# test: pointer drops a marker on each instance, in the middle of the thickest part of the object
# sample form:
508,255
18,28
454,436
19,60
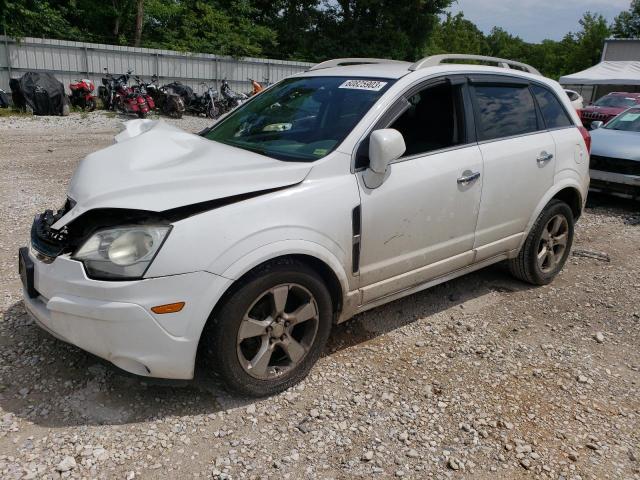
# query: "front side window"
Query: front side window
504,111
300,119
628,121
553,112
616,101
433,120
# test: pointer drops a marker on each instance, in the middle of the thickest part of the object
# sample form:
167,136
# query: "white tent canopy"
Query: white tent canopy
606,73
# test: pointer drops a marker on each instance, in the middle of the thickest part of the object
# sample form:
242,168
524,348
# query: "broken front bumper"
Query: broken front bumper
113,320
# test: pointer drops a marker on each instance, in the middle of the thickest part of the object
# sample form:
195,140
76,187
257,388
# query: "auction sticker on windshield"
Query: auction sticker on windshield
371,85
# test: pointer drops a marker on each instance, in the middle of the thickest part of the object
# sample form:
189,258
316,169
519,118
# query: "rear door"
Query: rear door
570,151
519,157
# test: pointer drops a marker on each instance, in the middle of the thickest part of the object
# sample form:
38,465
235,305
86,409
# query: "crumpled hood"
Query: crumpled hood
607,142
156,167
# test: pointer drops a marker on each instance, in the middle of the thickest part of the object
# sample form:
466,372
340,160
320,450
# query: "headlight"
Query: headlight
121,253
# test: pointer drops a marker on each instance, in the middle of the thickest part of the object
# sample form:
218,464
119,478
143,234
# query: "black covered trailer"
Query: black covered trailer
41,93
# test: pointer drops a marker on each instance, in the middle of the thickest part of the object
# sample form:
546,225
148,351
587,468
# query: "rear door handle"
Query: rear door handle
545,157
468,177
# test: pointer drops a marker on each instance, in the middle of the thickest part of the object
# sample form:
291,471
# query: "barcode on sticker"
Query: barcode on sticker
372,85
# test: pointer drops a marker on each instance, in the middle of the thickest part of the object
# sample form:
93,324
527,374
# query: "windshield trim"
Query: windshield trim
296,157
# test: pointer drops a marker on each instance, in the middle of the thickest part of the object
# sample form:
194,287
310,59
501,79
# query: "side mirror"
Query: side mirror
385,146
596,124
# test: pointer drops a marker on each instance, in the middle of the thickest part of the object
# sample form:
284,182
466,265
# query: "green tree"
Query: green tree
589,42
396,29
225,28
456,34
37,18
627,24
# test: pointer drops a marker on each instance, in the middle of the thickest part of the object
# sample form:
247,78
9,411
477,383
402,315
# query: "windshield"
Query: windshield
300,119
615,101
628,121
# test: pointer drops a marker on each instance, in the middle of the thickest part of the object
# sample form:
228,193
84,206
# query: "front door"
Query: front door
420,223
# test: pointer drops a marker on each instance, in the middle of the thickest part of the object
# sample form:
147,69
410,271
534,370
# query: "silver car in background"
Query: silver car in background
615,155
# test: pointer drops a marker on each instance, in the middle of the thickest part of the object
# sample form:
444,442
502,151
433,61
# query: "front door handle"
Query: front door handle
468,177
545,157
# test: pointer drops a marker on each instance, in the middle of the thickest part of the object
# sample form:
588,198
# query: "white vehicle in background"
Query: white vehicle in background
576,99
335,191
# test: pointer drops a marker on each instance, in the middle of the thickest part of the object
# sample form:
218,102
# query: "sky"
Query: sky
535,20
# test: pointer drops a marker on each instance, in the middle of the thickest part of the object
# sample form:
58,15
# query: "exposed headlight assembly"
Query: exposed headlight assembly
122,253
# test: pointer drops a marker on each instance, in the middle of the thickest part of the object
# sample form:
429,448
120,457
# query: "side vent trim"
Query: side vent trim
356,227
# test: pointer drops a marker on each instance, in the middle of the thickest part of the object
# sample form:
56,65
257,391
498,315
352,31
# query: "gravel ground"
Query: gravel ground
482,377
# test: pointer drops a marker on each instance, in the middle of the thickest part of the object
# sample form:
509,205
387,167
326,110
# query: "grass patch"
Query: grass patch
10,112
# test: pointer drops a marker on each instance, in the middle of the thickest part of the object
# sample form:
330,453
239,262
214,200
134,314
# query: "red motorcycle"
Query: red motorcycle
82,95
130,100
142,89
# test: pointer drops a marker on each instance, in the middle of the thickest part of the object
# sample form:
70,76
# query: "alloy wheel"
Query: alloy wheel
553,243
277,331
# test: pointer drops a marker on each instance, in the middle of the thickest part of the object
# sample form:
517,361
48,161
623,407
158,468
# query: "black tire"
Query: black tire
526,266
142,114
213,111
221,347
91,105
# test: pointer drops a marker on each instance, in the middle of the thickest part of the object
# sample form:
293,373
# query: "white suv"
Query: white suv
334,191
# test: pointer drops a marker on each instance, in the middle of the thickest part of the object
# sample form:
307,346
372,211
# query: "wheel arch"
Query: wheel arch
569,191
334,281
572,197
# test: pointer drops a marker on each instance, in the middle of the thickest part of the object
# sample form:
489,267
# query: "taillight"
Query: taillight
587,138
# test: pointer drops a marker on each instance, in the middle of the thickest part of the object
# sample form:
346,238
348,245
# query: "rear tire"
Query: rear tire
270,330
547,246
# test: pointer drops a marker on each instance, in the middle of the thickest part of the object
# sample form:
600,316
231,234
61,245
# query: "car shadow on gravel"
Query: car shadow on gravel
51,383
465,294
604,205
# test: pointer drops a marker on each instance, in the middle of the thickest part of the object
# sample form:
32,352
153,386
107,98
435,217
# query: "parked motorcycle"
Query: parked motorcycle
82,94
230,99
141,89
169,102
4,99
118,95
107,91
206,103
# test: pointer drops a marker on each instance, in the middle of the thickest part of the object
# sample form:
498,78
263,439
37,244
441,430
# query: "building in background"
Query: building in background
618,71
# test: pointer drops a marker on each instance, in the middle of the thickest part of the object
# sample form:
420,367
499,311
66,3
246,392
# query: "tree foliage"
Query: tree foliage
575,52
310,30
627,24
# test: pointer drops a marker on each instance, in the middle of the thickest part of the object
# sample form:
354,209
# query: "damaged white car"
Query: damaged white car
332,192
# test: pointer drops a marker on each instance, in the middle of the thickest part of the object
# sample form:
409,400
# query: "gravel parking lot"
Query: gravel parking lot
482,377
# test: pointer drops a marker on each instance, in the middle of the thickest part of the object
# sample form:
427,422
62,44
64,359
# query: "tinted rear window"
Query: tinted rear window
553,112
505,111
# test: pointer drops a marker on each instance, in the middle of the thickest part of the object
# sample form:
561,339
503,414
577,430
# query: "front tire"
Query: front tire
271,330
547,247
91,105
213,111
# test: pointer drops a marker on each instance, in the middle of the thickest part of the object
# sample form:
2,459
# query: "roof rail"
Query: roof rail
436,60
341,62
